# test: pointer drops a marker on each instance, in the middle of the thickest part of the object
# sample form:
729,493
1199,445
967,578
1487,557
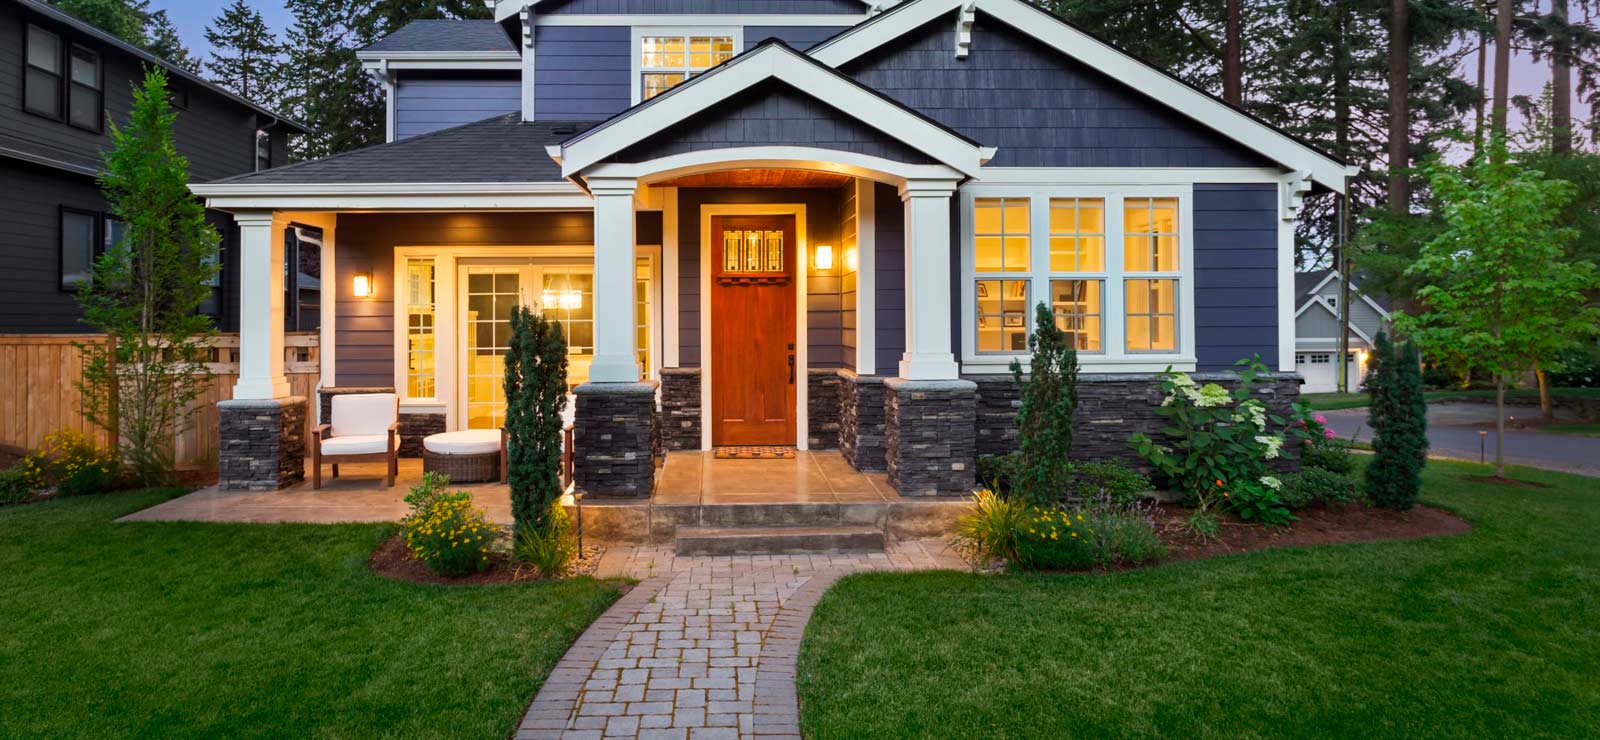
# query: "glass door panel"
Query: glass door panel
489,295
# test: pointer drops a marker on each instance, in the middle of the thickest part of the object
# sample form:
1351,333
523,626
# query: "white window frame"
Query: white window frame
1102,275
1114,356
636,80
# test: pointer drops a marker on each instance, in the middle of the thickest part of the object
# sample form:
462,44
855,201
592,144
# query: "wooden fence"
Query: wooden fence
39,389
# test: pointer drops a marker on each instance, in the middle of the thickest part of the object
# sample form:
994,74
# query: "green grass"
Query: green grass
1582,430
178,630
1495,633
1334,401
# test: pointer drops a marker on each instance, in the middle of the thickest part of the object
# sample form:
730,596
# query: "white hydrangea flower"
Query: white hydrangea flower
1258,414
1210,396
1271,482
1274,445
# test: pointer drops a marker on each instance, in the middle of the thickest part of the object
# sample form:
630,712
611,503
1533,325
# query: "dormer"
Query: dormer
441,73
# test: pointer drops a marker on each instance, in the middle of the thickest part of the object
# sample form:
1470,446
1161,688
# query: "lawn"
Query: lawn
1581,430
1334,401
1495,633
178,630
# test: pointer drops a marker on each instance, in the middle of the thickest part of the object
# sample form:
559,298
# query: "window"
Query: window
43,79
1150,245
1077,269
80,244
177,94
1002,316
86,101
1150,235
263,150
421,364
1322,358
667,60
1077,306
641,316
1002,243
1152,315
1001,234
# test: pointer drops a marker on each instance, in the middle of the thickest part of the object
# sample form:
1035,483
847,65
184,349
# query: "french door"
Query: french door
487,294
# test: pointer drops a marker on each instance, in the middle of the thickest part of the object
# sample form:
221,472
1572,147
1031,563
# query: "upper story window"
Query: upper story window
263,150
86,103
63,81
43,78
665,59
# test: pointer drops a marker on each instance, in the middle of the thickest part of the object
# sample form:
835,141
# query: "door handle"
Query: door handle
791,369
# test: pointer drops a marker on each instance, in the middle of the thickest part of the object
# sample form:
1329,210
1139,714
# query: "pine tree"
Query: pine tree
163,41
245,55
1398,415
536,395
119,18
1043,472
323,82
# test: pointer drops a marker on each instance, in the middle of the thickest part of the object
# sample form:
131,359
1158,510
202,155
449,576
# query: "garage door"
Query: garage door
1318,370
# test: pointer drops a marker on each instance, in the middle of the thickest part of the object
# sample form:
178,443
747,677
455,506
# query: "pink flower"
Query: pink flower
1320,419
1327,433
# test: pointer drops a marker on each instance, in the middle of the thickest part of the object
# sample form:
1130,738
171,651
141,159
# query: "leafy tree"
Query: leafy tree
1499,286
1398,415
323,82
245,55
147,289
163,41
536,394
1044,423
120,18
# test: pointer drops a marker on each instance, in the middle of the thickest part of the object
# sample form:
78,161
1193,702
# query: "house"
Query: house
56,94
818,224
1316,330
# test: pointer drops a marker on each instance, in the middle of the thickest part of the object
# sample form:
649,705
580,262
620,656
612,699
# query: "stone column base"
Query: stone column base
931,436
822,409
615,439
680,408
262,445
861,425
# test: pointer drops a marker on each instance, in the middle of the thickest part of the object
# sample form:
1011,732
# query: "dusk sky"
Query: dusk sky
191,17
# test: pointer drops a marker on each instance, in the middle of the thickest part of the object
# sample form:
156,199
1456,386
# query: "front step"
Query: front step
778,540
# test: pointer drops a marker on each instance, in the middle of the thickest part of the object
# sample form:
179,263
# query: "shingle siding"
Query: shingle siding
581,73
1235,273
1038,106
799,37
426,104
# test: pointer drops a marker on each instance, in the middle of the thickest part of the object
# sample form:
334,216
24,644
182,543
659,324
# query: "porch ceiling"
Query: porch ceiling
759,178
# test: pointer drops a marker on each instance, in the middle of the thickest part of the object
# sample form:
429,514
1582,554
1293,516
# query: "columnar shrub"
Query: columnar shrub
1043,472
1398,415
536,394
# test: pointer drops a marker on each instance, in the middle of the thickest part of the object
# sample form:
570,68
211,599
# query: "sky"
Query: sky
191,16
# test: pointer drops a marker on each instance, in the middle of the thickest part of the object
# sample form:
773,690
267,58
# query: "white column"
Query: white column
866,276
928,295
260,308
615,357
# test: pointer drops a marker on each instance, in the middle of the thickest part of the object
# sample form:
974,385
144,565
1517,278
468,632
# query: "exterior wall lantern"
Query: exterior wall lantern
824,257
361,286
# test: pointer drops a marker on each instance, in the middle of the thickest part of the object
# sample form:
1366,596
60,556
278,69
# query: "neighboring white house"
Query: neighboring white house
1316,329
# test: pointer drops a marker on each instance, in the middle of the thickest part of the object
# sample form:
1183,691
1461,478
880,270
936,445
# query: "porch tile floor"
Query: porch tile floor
809,477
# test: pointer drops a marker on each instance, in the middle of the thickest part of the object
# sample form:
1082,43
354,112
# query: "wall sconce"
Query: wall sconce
361,286
852,261
824,257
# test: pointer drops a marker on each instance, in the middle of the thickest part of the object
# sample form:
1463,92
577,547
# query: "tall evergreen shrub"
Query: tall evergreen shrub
1044,423
1398,415
536,394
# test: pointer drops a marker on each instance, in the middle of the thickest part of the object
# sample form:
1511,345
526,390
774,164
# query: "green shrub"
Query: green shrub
447,533
1125,536
16,486
1318,485
995,472
1332,455
1110,480
1054,539
551,551
1398,415
989,526
1580,368
1043,471
1258,501
72,463
536,393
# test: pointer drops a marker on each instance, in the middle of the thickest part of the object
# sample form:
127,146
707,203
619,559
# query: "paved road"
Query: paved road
1453,432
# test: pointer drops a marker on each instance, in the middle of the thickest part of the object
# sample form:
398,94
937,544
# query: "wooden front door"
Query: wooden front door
753,371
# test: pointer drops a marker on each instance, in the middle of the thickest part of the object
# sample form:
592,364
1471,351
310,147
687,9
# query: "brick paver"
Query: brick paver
703,647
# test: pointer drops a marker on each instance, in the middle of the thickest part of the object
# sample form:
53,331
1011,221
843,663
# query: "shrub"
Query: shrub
1258,501
1332,455
536,394
1110,480
995,472
1398,415
1054,539
1313,485
16,486
1580,368
446,532
551,551
1125,536
72,463
1043,471
990,525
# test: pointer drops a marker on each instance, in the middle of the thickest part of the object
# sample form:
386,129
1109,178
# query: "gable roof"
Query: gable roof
1160,85
504,9
772,59
172,70
1308,284
444,36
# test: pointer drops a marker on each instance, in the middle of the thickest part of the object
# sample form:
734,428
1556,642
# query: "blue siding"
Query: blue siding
772,113
800,37
1039,106
428,105
889,272
668,7
581,73
1235,273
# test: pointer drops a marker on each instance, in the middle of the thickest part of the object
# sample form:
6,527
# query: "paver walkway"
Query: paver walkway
703,647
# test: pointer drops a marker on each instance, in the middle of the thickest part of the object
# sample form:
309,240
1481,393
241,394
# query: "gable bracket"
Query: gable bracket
1294,188
526,17
964,20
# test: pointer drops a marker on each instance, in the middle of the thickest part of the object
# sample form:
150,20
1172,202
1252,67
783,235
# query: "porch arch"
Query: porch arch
835,161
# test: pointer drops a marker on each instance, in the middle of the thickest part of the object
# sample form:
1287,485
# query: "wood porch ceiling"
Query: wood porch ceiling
759,178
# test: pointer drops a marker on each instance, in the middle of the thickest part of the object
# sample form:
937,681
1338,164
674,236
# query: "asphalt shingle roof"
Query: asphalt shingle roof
499,149
446,35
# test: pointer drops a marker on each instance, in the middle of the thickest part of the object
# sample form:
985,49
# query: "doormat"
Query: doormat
754,453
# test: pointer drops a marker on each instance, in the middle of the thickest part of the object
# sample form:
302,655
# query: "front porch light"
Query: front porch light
824,257
361,286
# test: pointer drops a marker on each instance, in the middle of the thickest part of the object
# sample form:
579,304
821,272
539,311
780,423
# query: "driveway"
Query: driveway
1453,433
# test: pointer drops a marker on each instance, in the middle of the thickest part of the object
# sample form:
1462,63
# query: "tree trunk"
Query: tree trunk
1547,412
1502,68
1499,426
1560,82
1483,81
1341,137
1232,55
1399,107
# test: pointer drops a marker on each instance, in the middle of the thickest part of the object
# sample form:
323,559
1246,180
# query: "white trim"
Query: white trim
394,196
743,72
1114,356
616,247
928,354
1045,27
703,19
1126,175
1318,301
777,157
866,276
1354,290
511,63
261,300
1289,195
444,57
328,335
528,64
802,420
654,28
669,277
504,9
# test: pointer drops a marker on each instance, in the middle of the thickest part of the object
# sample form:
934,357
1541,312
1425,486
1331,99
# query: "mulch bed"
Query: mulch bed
1316,525
391,560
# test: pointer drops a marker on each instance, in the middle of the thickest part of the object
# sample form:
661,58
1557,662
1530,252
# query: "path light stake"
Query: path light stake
1482,435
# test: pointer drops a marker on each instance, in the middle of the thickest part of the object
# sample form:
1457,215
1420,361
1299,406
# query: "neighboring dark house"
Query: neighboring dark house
57,90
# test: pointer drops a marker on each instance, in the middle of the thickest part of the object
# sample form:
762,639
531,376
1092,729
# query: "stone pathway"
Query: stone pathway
703,647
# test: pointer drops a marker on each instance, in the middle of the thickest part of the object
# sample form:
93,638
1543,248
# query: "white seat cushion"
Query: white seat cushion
357,444
468,442
360,414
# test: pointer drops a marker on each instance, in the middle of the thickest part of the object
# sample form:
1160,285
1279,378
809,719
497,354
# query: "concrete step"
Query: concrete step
778,540
865,514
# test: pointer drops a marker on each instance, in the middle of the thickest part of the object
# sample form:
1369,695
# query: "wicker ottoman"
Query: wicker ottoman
471,456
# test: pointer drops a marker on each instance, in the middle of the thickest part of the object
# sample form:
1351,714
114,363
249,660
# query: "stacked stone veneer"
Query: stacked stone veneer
414,426
262,445
931,448
616,439
861,421
1111,407
680,408
822,409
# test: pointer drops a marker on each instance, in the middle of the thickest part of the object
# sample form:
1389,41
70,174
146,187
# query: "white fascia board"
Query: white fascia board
440,56
395,196
1318,301
774,157
1043,26
703,19
512,62
770,62
504,9
1125,175
1354,290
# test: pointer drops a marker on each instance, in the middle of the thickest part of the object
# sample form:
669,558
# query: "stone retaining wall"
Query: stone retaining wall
861,421
822,409
617,439
262,445
929,435
680,408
